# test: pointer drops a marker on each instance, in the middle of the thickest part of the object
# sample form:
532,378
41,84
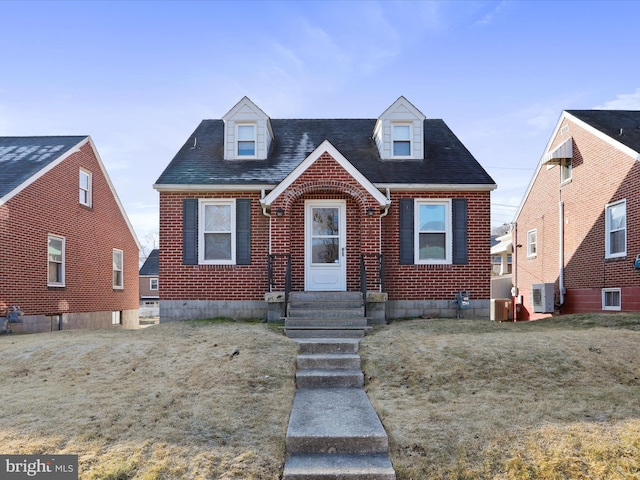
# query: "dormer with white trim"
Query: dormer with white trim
247,132
399,132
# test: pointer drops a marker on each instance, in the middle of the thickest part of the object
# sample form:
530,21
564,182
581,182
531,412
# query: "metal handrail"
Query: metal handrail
378,273
273,284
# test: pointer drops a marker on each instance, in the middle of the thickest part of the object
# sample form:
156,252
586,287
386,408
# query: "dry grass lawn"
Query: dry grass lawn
460,399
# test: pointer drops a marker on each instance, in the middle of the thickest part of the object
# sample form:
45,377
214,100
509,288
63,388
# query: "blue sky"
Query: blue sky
139,76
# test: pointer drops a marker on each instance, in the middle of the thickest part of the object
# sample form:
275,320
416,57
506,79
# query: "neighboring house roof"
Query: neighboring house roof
620,125
201,161
22,158
504,245
150,266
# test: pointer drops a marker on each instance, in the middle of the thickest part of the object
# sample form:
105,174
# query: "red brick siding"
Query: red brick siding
50,205
325,179
601,175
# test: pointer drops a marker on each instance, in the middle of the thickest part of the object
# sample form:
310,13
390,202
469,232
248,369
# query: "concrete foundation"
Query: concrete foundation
397,309
74,321
175,310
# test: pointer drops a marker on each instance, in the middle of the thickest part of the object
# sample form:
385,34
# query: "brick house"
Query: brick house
149,298
68,254
575,236
251,207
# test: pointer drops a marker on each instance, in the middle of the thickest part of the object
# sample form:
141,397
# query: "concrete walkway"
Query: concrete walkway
334,432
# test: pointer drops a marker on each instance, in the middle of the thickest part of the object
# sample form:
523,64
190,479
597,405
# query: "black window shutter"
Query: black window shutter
243,231
406,231
190,231
460,256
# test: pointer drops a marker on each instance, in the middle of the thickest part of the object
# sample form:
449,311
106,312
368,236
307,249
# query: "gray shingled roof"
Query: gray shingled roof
23,157
610,122
447,160
150,265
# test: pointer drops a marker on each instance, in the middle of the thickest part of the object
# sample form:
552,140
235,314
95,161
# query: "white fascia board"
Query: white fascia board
113,191
325,147
41,172
210,187
438,187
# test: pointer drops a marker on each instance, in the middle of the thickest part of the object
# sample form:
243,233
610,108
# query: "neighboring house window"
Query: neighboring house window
217,236
246,140
616,229
532,243
85,188
116,318
118,279
611,299
433,227
56,256
565,170
401,140
153,284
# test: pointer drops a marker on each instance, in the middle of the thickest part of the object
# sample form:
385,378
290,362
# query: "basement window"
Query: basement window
611,299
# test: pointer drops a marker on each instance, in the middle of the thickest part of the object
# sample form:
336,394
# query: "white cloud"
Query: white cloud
624,101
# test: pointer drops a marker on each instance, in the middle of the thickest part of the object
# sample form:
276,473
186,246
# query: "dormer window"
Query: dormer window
246,140
399,132
402,140
247,132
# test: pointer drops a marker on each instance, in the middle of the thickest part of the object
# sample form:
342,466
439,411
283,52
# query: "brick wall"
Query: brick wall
325,179
51,205
601,175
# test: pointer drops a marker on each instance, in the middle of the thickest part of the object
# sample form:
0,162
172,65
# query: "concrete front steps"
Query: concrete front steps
334,433
325,315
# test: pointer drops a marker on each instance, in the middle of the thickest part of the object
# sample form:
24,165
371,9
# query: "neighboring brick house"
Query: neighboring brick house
338,197
576,232
149,298
68,254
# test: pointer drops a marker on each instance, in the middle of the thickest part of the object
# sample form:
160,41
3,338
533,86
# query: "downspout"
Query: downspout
561,254
266,214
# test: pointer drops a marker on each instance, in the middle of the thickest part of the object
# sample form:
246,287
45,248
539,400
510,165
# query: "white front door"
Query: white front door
325,245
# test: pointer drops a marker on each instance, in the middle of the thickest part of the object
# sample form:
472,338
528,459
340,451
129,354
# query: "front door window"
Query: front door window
325,232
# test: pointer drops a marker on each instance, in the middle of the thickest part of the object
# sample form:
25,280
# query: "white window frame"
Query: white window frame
616,308
566,171
118,253
153,281
201,231
254,140
532,243
448,232
62,263
393,139
609,231
85,194
116,317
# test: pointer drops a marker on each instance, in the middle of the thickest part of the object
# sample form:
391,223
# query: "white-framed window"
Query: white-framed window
611,299
118,271
85,189
616,229
116,318
433,242
532,243
217,243
246,140
56,259
401,140
153,284
566,170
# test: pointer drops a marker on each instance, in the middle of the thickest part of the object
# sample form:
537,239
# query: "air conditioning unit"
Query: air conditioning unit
542,297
